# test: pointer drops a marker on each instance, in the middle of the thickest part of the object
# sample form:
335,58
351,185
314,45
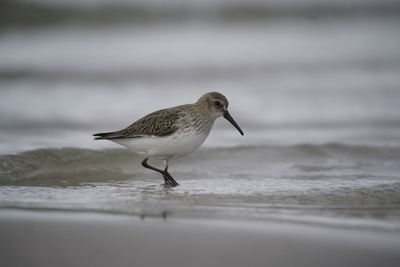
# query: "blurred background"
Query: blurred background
295,71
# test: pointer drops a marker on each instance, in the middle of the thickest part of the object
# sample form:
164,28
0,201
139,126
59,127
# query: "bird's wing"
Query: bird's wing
158,123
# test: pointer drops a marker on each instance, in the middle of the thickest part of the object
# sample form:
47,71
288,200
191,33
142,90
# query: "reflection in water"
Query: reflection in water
163,215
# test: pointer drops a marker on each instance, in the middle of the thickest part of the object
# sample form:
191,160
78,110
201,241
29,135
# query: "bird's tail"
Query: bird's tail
100,136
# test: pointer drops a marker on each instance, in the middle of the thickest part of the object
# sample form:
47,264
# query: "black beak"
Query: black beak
231,120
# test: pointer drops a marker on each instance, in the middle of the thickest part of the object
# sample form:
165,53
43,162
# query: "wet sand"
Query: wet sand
41,238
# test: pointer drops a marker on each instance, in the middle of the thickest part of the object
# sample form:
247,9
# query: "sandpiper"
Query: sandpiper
172,133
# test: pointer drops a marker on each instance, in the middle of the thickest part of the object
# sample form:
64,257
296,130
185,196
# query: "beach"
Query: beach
46,238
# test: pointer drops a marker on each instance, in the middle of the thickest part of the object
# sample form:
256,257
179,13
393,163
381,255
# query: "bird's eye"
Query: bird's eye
217,103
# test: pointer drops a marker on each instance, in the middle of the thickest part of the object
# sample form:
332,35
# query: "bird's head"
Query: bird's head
216,105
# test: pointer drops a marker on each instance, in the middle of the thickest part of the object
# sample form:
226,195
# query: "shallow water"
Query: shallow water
329,185
316,92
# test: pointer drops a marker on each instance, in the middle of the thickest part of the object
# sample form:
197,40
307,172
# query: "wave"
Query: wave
60,166
69,166
319,151
359,194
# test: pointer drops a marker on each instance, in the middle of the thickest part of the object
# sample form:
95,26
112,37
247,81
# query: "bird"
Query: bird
172,133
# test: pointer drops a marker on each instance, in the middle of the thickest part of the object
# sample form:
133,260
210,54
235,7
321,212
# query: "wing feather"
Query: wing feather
159,123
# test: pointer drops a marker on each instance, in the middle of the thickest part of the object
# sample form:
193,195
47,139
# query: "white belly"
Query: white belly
177,145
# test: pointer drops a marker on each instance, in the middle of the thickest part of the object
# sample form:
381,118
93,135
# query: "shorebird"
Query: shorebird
172,133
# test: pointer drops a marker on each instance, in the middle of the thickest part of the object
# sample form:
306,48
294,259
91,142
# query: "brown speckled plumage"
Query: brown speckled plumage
159,123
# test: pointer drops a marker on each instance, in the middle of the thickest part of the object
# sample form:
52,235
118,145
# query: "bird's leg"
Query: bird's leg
144,164
167,177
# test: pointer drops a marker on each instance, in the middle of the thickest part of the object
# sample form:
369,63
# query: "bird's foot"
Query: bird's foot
169,180
168,185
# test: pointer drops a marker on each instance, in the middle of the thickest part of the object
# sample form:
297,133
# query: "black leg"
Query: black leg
171,180
144,164
167,177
